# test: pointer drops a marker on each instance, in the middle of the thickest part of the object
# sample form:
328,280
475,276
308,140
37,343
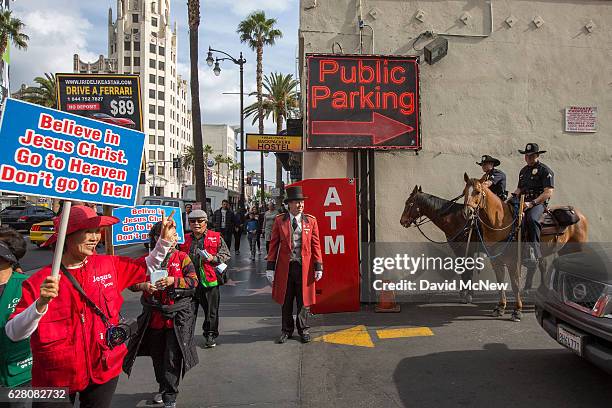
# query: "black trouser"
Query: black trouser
237,237
94,396
209,300
267,246
15,404
294,291
258,240
227,233
167,361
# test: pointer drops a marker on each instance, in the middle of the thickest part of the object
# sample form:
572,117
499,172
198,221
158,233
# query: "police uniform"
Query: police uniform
532,182
498,183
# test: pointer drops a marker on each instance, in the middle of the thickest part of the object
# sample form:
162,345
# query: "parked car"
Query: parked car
41,231
573,303
125,122
22,217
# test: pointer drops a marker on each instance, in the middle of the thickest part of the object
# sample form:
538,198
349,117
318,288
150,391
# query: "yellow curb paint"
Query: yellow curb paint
354,336
404,332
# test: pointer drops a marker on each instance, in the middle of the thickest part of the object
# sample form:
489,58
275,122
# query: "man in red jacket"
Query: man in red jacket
70,346
294,264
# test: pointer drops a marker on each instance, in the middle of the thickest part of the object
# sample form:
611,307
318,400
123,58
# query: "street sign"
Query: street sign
106,97
275,192
136,222
363,102
55,154
210,162
273,143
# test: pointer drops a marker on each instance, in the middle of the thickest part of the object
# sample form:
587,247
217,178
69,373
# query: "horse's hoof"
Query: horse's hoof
517,315
498,311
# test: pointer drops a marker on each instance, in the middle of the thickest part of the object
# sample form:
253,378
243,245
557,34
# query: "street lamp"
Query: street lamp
217,71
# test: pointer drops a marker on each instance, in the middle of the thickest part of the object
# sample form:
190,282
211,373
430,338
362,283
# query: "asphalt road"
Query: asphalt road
469,360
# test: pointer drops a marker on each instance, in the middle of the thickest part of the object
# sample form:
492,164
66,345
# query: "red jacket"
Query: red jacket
69,346
279,255
212,242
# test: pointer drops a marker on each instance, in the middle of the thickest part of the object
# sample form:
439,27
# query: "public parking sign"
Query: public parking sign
109,98
363,102
50,153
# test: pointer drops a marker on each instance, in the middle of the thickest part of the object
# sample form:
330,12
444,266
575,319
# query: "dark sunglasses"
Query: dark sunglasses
198,220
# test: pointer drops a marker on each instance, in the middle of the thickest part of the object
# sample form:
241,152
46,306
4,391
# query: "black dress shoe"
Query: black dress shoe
305,337
283,338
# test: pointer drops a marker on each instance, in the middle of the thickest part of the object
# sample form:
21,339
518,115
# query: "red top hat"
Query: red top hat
81,218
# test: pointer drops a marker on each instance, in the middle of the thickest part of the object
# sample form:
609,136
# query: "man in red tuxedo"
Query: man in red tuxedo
294,264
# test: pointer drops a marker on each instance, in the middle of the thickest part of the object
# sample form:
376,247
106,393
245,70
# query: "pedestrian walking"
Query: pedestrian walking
15,357
223,222
269,217
239,220
73,322
167,323
251,227
207,249
294,264
260,225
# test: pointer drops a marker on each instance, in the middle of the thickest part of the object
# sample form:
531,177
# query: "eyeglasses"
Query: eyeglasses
198,221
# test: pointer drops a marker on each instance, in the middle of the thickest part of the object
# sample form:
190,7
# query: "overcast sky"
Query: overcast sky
60,28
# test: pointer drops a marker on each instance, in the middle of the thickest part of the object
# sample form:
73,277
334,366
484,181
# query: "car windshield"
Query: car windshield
152,202
171,203
12,210
100,115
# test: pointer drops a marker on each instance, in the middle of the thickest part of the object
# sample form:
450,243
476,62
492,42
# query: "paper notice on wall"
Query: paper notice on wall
581,119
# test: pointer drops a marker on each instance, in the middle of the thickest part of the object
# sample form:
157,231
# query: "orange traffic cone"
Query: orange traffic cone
386,301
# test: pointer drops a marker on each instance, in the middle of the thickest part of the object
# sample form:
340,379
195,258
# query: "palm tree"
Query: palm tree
218,160
44,94
233,168
279,100
193,11
10,30
256,31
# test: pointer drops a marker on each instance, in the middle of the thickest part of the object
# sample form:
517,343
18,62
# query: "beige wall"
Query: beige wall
487,96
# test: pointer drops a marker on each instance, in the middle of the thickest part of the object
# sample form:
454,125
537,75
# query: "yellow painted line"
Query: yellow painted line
354,336
404,332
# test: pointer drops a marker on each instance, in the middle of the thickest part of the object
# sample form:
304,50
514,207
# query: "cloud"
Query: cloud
242,8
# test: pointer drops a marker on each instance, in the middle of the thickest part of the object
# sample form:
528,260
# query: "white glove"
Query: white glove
318,275
270,275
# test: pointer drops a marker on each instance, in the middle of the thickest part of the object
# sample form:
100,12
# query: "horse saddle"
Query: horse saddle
555,220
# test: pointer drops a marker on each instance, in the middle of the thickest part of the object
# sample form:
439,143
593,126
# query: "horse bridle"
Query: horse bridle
416,220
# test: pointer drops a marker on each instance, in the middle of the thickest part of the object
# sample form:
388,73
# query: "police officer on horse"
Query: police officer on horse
494,179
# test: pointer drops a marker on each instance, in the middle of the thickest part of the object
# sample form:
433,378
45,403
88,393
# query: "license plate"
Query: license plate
570,339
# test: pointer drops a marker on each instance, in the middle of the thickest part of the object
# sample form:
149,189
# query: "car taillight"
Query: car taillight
23,218
35,228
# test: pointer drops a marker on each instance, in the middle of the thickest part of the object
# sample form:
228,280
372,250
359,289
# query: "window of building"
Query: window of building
127,61
136,45
134,31
127,45
136,61
161,140
160,95
160,156
162,51
151,93
160,125
152,139
134,18
151,108
152,48
151,154
161,80
162,66
151,124
160,171
160,110
151,78
152,63
154,21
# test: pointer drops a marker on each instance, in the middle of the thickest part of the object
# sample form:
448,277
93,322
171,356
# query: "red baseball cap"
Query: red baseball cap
81,218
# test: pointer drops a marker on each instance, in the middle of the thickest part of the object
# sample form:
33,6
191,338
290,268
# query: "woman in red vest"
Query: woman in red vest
72,346
166,325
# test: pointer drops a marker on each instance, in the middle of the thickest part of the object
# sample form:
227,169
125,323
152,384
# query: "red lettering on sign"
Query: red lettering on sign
316,94
333,68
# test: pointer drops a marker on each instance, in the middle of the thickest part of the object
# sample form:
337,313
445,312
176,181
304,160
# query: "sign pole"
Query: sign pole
61,236
108,232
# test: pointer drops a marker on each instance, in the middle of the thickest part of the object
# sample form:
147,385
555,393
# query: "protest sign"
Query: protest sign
50,153
135,223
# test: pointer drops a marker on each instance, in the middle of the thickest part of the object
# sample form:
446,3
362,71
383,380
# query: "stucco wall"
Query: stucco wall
487,96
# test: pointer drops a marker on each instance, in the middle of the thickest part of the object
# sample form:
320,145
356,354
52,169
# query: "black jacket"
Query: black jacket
184,312
229,220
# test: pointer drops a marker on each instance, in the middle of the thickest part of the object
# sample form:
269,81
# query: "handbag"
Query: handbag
117,334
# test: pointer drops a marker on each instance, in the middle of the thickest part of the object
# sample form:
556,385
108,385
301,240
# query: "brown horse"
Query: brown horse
454,220
497,223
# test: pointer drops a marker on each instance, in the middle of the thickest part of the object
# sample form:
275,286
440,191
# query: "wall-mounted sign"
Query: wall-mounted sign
363,102
273,143
108,98
581,119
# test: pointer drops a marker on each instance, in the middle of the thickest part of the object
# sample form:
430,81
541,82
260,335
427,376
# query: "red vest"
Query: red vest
69,347
212,242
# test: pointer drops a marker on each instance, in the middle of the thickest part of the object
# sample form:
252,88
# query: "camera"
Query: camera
118,334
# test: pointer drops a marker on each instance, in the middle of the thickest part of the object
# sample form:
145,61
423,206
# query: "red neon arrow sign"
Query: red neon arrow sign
381,128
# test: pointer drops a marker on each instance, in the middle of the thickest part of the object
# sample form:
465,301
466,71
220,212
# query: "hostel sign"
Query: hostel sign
273,143
363,101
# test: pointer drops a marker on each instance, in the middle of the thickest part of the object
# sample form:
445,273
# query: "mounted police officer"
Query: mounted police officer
536,182
495,179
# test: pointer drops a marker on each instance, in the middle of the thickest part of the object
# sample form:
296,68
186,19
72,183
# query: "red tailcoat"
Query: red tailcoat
279,255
